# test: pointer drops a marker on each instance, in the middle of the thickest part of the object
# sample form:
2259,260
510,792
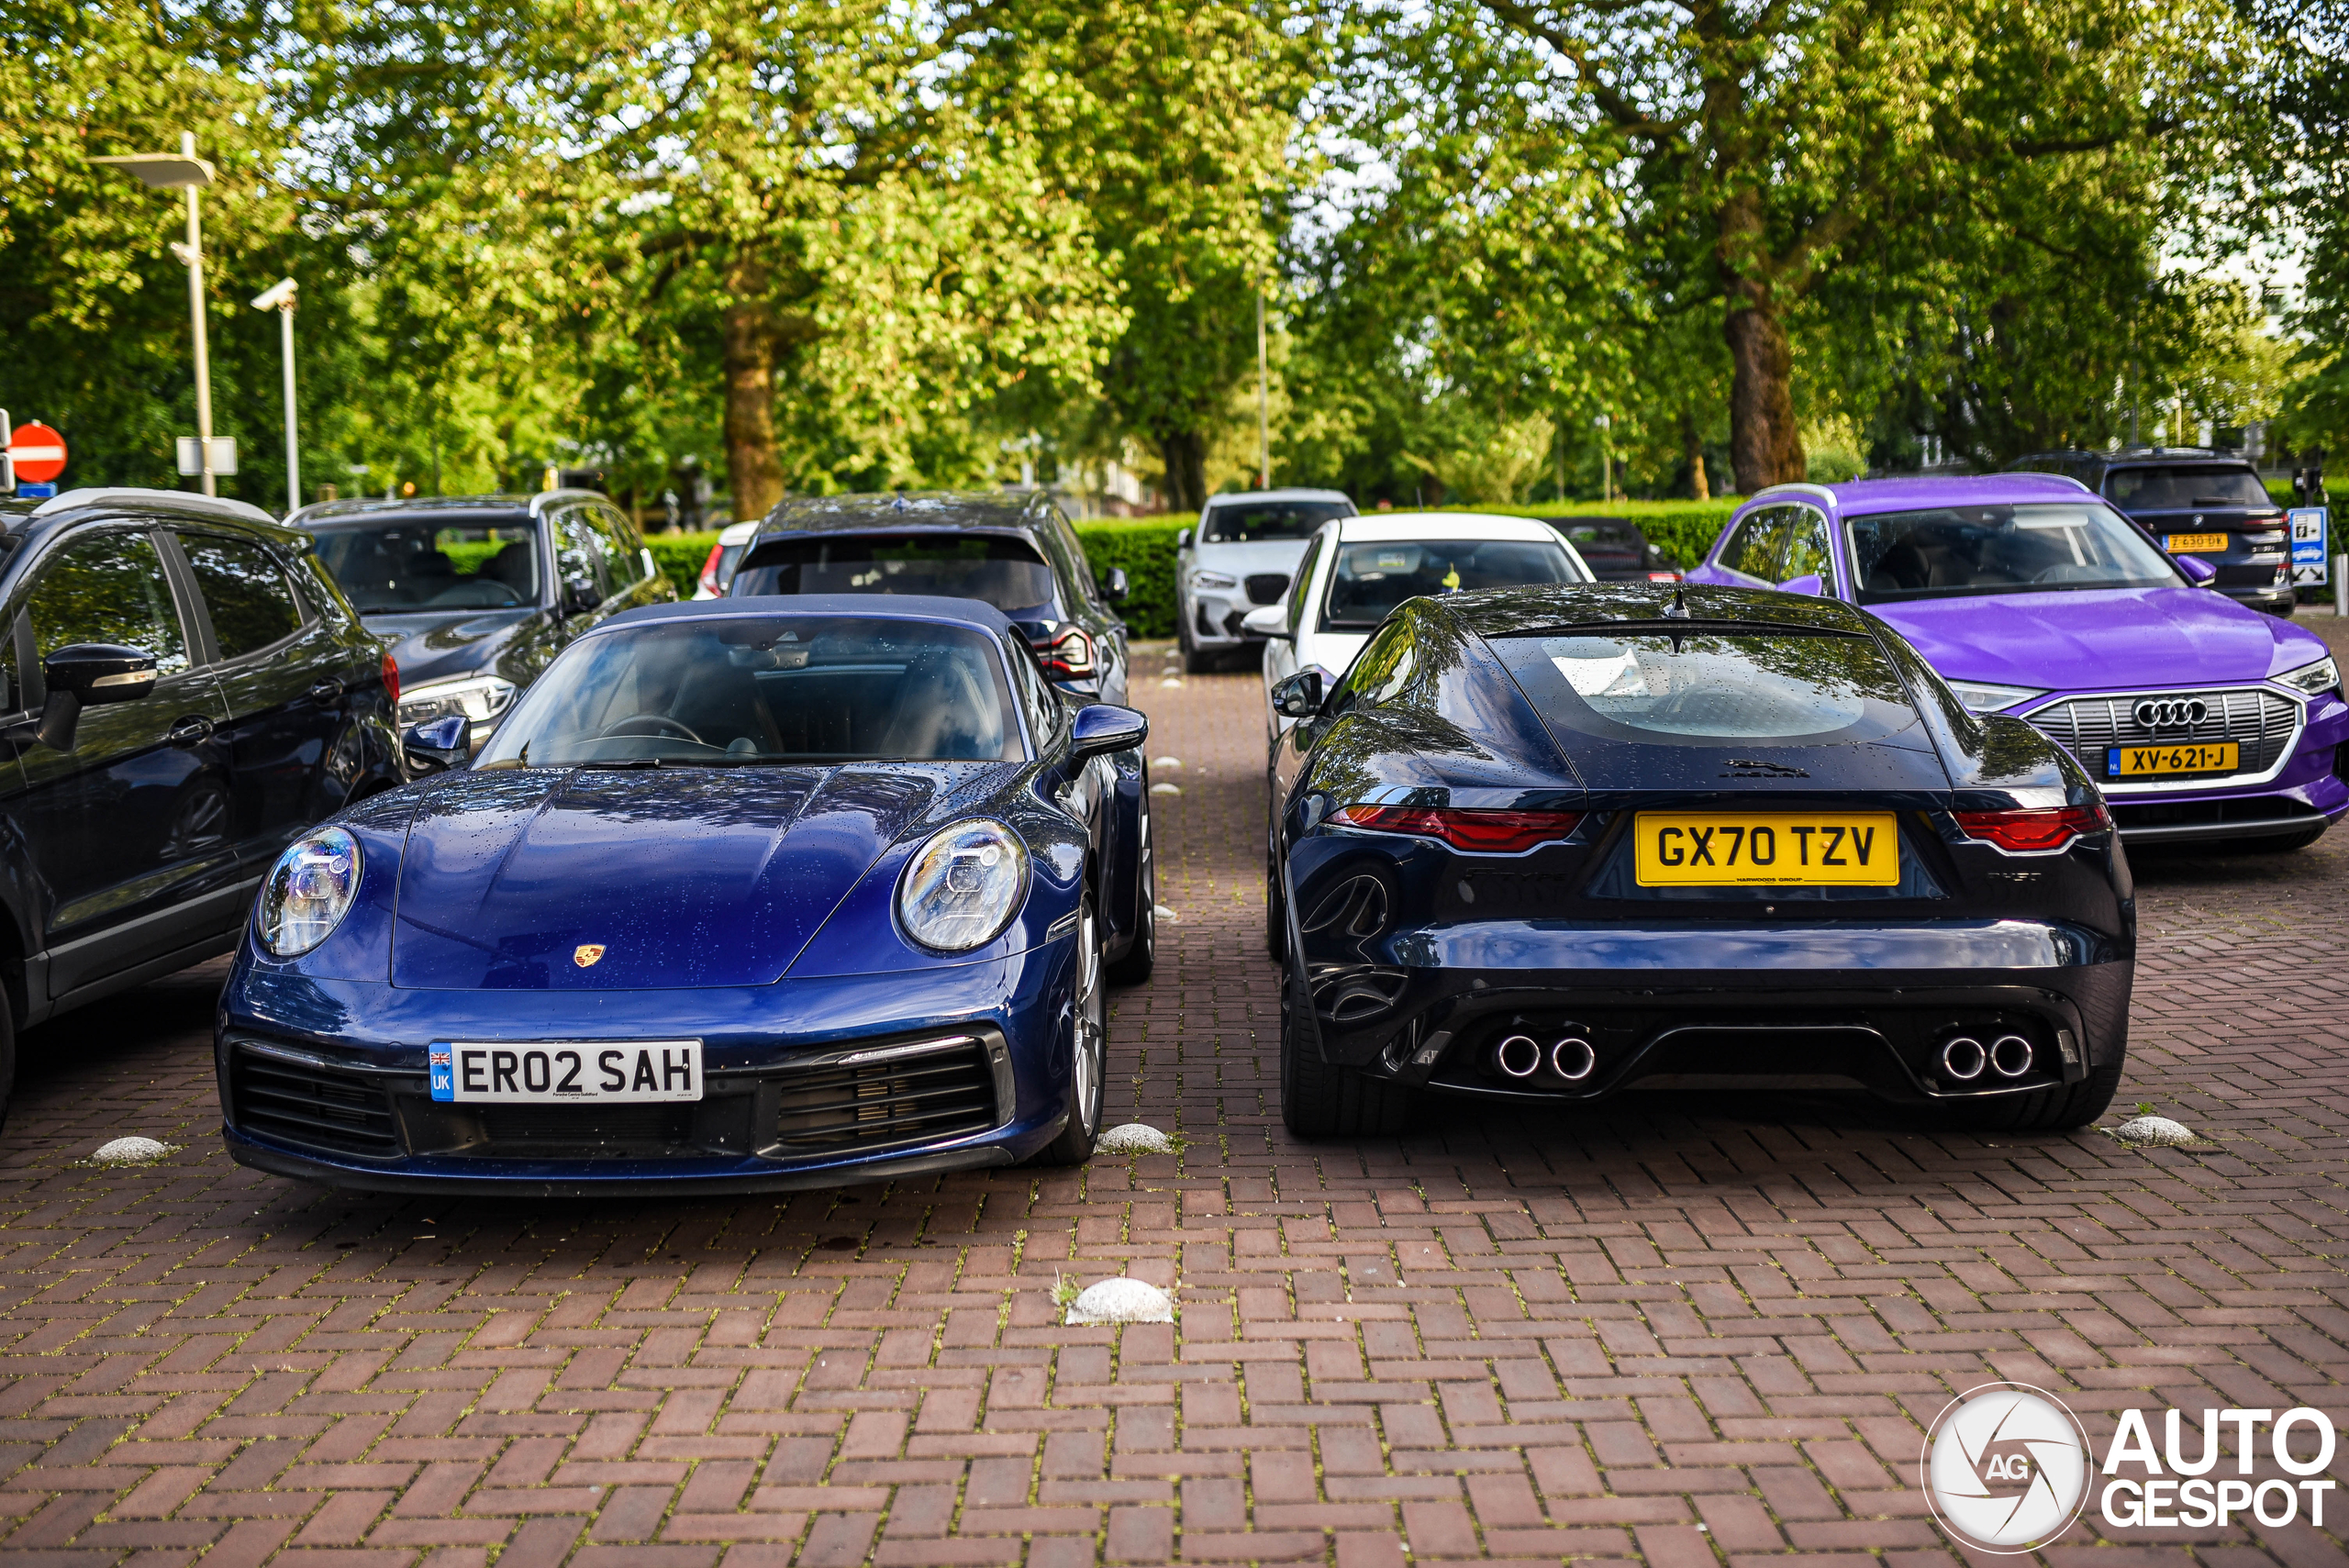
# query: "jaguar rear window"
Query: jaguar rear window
1709,685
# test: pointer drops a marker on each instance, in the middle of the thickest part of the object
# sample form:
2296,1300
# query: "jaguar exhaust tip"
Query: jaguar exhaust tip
2010,1056
1963,1059
1573,1060
1517,1057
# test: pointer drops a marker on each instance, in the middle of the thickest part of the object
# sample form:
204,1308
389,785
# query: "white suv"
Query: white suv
1242,555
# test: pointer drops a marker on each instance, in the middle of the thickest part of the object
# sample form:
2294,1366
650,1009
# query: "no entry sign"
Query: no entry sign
38,453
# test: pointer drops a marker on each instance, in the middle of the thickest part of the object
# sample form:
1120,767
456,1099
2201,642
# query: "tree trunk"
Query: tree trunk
751,471
1692,450
1765,446
1185,455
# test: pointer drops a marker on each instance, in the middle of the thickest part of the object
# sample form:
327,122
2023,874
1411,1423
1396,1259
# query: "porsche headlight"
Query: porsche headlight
1981,696
2314,679
308,892
964,886
478,697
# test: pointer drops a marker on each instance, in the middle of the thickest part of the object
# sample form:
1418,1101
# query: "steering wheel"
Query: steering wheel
651,723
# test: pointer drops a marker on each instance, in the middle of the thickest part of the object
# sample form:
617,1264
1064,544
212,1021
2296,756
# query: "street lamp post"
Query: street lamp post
280,298
1263,401
164,171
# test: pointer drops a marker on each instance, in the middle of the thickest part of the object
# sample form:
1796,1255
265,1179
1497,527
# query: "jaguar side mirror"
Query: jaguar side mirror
88,674
2199,571
1809,583
579,597
1101,727
438,745
1268,621
1113,588
1298,695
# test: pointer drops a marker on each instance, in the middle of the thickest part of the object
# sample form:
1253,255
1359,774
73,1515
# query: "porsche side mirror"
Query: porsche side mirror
1298,695
1269,621
439,745
579,597
2199,571
1113,588
1809,583
1101,727
87,674
1181,539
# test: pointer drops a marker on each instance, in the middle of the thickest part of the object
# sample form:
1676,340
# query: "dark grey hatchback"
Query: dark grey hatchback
181,692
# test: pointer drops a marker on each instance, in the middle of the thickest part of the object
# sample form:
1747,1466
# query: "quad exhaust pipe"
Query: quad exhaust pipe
1572,1058
1517,1057
2010,1056
1522,1059
1962,1059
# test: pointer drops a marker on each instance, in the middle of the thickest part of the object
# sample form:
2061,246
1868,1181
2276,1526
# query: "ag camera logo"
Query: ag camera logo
2005,1468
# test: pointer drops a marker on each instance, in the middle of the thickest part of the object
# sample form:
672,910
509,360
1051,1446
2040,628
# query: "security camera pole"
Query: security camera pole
280,298
163,172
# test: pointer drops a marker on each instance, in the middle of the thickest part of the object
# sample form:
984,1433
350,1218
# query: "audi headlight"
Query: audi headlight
1214,580
478,697
1981,696
308,892
2314,679
964,886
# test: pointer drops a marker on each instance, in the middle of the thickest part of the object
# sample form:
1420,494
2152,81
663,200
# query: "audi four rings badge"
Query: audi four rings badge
2162,713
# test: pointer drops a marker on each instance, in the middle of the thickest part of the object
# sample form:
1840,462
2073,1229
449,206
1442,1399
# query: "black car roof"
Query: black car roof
377,508
24,518
879,606
910,511
1503,611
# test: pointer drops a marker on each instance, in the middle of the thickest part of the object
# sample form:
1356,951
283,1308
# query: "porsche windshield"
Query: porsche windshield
720,692
1952,550
416,564
1004,571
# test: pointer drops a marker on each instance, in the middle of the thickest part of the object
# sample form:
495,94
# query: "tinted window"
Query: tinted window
2184,489
245,590
1806,551
424,564
2000,550
1380,670
769,690
1000,571
1241,521
108,589
1303,581
1709,686
619,545
584,553
1755,547
1371,579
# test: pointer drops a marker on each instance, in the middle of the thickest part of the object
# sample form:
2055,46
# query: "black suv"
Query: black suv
2196,501
182,690
476,594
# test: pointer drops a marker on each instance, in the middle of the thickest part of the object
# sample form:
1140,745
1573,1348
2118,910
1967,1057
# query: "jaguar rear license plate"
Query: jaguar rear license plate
1777,849
591,1071
2191,543
2157,762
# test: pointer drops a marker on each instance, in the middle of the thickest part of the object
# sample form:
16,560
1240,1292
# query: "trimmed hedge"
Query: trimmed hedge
1145,548
680,556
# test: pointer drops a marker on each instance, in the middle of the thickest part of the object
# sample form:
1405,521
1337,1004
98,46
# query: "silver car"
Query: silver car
1242,555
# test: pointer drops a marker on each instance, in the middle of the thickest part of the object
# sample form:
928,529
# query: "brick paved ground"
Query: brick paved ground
1689,1330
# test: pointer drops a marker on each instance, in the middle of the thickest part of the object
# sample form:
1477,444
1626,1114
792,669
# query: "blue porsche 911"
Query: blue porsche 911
743,894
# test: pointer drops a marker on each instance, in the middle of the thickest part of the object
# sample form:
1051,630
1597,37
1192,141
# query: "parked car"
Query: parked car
476,594
749,894
182,691
2196,501
1615,550
1357,570
2200,718
724,557
1020,555
1541,844
1240,557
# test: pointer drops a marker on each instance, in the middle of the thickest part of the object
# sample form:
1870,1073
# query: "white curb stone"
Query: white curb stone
1135,1138
2155,1130
1121,1301
130,1152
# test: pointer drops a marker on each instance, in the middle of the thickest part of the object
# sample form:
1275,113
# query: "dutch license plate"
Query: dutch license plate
2191,543
589,1072
2153,762
1729,849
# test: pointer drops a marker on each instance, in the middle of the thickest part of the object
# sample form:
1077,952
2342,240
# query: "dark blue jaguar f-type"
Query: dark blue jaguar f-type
1541,845
742,894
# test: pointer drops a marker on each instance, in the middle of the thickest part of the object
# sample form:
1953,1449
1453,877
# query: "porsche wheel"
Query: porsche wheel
1322,1100
1089,1064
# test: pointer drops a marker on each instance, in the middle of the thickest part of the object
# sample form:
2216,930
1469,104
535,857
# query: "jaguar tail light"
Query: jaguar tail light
2034,829
392,682
1476,831
1066,655
1664,576
709,570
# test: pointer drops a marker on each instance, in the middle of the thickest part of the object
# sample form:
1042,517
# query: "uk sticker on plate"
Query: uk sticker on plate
634,1072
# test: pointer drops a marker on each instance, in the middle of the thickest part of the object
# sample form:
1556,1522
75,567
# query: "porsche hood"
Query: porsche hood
604,879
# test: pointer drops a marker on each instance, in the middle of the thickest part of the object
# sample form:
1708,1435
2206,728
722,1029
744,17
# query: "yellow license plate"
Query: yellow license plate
2187,543
1776,849
2152,762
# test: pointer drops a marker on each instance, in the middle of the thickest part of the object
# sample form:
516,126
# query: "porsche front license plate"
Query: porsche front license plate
2155,761
2178,544
1733,848
595,1072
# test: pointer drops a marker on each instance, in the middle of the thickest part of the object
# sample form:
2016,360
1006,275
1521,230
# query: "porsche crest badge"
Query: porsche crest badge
585,954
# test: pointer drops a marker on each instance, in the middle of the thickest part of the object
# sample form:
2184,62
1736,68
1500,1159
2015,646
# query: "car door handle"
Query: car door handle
189,731
325,688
